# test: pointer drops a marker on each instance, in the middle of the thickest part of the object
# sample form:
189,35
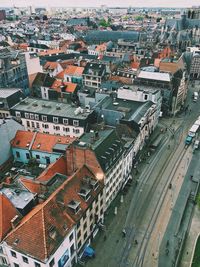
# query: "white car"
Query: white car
196,144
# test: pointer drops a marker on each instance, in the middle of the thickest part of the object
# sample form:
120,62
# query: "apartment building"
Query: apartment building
94,74
53,117
13,70
102,152
45,148
69,215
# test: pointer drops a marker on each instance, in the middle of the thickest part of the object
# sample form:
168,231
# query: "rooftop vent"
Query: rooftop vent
35,105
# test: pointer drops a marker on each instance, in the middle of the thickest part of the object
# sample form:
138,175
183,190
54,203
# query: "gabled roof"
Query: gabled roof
40,141
50,65
60,166
41,231
44,228
22,139
70,70
66,86
43,79
7,213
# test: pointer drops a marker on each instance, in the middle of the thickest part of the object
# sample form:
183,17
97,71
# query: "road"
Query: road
146,210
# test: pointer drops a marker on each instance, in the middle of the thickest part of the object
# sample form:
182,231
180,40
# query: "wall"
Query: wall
50,130
7,133
66,244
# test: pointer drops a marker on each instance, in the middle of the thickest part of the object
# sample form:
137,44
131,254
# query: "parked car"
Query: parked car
196,144
188,140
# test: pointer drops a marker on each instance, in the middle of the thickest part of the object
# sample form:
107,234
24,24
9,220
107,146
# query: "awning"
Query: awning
89,252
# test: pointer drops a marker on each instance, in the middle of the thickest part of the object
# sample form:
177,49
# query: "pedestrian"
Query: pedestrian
136,242
124,233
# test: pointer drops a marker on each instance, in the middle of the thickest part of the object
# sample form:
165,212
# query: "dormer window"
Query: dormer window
55,119
94,184
18,114
85,193
74,206
52,232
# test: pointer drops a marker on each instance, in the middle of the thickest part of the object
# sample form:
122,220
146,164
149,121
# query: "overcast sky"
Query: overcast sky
69,3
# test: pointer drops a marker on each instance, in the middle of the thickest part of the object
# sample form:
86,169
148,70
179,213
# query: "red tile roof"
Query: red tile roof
42,142
59,166
50,65
22,139
68,87
51,219
41,231
70,70
7,213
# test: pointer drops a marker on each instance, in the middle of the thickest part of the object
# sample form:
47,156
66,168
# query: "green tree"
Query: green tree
198,200
139,18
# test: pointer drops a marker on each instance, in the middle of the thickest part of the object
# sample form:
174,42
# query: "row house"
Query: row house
102,152
71,74
93,74
8,98
141,94
67,219
39,146
53,117
139,116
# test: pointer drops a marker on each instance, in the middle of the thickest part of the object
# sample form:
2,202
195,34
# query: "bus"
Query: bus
193,130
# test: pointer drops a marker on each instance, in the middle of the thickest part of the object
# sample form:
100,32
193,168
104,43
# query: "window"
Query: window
18,114
71,237
28,123
52,263
25,259
32,117
37,264
66,129
72,249
55,119
37,156
17,154
3,260
75,123
13,254
27,156
33,124
76,131
85,235
37,125
57,128
37,117
27,115
85,225
46,126
16,265
79,234
145,97
79,244
44,118
65,121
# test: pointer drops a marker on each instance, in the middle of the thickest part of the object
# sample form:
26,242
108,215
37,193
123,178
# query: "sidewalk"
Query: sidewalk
189,247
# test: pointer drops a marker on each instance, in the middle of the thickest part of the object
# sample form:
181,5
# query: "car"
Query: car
196,144
188,140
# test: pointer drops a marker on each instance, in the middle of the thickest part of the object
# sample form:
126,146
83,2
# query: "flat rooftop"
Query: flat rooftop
53,108
19,198
165,77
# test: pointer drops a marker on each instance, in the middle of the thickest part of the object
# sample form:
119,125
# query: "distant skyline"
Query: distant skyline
95,3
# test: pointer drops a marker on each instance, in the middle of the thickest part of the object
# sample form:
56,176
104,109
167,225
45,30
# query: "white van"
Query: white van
195,96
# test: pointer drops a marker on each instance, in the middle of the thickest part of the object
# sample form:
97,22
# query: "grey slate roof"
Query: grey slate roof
106,36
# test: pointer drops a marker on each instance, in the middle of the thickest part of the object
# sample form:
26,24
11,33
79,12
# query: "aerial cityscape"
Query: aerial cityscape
99,134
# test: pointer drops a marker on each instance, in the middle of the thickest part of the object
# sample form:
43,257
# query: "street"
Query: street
146,209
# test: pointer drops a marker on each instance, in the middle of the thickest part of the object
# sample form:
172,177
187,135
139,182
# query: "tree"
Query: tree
139,18
198,200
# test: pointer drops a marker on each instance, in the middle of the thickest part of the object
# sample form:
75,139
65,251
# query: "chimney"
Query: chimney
15,221
70,160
